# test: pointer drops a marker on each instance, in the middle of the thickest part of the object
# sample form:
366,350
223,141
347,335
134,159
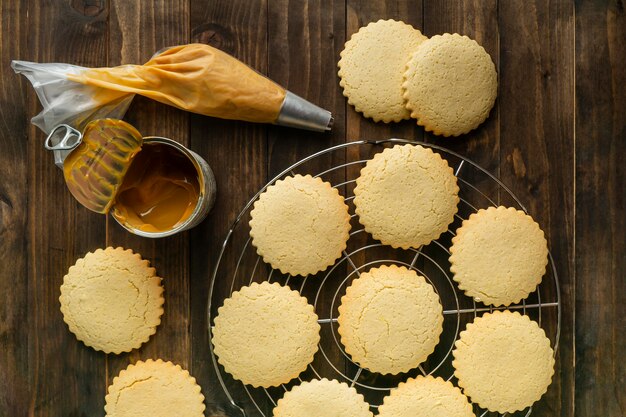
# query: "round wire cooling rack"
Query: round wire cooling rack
239,265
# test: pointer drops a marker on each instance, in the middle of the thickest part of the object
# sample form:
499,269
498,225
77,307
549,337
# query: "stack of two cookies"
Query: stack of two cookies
390,72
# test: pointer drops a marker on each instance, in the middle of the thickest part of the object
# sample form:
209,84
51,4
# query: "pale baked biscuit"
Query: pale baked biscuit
112,300
498,255
155,389
406,196
390,319
450,84
372,65
426,396
265,334
300,225
503,361
322,398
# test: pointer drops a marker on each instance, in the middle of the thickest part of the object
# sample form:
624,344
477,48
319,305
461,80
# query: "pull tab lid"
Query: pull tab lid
95,169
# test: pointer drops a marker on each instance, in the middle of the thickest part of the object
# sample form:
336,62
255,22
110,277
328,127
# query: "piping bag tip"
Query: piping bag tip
302,114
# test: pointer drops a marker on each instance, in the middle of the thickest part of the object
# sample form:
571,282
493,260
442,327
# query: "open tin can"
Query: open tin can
152,186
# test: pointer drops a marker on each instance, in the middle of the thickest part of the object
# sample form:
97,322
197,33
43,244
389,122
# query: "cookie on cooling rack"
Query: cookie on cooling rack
155,389
265,334
112,300
300,225
426,396
390,319
372,65
450,84
503,361
499,255
322,398
406,196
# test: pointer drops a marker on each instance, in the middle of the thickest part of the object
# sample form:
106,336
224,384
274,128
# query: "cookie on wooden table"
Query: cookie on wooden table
155,389
499,255
322,398
265,334
372,65
503,361
450,84
112,300
426,396
406,196
390,319
300,225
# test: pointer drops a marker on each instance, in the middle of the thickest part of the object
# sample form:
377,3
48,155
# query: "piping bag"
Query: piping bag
195,77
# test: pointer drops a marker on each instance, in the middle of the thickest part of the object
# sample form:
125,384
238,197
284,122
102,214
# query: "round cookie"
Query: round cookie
322,398
503,361
372,65
390,319
426,396
112,300
300,225
450,84
498,256
155,389
406,196
265,334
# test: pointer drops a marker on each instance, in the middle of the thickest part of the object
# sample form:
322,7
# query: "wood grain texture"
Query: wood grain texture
237,153
63,371
14,397
536,97
600,300
138,30
556,136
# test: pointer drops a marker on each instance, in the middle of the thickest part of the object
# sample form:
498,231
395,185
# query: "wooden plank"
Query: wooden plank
14,398
537,153
600,203
237,153
305,39
66,377
361,13
137,31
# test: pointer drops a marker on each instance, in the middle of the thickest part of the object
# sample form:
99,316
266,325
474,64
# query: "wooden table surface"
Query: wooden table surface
556,137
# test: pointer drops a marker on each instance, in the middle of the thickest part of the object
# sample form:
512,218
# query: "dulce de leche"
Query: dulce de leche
160,189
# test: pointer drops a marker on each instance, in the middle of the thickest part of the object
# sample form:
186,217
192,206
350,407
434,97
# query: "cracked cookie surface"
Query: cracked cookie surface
406,196
498,256
265,334
390,319
372,65
112,300
300,225
155,389
503,361
426,396
450,84
322,398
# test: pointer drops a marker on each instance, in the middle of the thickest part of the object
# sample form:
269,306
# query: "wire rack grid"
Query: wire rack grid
238,265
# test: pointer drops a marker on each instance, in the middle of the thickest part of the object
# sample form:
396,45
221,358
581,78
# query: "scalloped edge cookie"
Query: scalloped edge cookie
265,334
89,285
322,398
406,196
426,396
371,68
161,388
300,225
503,361
450,84
499,255
390,319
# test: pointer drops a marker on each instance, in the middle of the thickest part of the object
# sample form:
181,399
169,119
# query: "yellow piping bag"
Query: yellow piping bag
195,77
